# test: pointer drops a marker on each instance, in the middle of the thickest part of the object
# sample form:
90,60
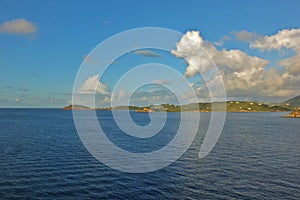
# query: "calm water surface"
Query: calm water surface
42,157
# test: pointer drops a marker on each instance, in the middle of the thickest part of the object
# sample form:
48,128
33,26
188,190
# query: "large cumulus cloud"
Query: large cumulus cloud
243,74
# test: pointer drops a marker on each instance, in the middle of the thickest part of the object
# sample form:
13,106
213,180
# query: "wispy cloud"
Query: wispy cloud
222,40
162,82
245,36
147,53
152,97
90,60
18,26
23,89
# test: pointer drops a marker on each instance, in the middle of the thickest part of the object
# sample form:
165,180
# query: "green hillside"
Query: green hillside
293,102
231,106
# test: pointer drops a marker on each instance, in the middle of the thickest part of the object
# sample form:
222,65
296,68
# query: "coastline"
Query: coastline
230,106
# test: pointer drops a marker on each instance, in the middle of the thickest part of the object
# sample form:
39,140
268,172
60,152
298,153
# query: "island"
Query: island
231,106
294,114
76,107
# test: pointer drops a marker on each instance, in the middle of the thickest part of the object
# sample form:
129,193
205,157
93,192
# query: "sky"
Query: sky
43,44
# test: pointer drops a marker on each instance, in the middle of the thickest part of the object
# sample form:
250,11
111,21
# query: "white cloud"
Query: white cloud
152,97
120,94
245,36
191,48
287,38
288,80
147,53
236,66
90,60
191,84
93,85
106,99
162,82
243,74
223,39
292,64
18,26
190,44
236,60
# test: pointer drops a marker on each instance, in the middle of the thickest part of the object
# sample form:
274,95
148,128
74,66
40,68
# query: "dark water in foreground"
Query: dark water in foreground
42,157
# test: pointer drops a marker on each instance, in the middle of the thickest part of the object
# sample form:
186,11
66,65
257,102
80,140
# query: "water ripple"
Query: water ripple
41,157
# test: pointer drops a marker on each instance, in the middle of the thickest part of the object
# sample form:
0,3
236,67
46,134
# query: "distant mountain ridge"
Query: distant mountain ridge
293,102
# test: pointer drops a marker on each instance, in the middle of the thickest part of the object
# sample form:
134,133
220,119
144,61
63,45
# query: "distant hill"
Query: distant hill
236,106
76,107
231,106
294,102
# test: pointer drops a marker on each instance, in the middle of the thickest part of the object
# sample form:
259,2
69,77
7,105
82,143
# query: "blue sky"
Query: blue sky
38,68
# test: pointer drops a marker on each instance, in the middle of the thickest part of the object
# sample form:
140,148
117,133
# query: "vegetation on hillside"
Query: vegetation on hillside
293,102
231,106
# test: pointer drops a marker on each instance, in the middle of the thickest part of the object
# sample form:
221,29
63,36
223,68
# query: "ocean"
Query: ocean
42,157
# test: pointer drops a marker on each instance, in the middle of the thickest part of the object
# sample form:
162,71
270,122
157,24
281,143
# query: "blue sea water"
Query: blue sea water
42,157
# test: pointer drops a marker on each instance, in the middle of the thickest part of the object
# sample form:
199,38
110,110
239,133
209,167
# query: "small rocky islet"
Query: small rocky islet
294,114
